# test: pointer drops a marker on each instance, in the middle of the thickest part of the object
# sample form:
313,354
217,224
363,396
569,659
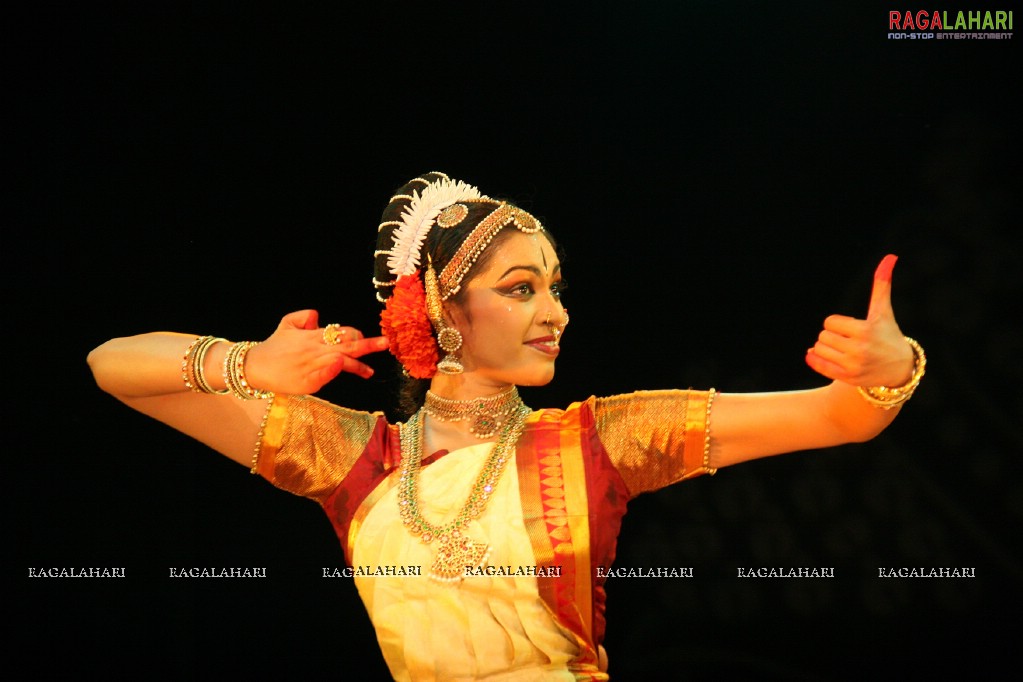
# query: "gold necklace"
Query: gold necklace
485,415
455,550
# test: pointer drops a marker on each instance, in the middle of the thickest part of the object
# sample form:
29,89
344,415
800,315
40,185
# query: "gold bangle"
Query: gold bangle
187,369
886,398
234,373
193,363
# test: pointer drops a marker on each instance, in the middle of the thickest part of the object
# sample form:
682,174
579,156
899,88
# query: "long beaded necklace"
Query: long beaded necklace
455,550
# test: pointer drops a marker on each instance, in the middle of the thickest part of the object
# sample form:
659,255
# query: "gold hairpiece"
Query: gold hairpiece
452,215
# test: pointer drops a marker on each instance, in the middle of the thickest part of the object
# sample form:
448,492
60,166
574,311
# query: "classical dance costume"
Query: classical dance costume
534,607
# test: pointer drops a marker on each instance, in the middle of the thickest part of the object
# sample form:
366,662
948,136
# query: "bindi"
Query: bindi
543,255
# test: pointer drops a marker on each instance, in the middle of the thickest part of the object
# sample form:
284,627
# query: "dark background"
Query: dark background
721,179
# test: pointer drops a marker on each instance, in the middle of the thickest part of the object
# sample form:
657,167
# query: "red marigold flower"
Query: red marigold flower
406,326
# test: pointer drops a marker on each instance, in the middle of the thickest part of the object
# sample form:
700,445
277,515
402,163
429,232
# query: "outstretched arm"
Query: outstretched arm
145,373
852,352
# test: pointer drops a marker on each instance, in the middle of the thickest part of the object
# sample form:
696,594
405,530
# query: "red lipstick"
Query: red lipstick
545,344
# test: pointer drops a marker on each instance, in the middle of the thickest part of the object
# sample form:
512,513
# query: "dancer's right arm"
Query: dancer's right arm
145,373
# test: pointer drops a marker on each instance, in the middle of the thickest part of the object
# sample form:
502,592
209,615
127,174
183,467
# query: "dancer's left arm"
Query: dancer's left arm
852,352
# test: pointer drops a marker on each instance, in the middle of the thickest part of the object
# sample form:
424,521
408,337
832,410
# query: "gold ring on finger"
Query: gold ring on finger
333,334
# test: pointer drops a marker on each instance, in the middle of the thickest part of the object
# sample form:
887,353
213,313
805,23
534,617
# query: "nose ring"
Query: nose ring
548,321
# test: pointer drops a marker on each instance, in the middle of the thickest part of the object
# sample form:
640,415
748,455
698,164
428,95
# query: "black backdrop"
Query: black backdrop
721,179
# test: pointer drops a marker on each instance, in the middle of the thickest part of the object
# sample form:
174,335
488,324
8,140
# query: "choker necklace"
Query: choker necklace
455,550
485,415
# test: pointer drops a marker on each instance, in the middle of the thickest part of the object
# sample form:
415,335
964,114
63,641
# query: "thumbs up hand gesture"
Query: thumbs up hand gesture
868,352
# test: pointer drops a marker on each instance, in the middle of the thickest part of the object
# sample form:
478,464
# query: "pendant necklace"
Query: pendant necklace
455,550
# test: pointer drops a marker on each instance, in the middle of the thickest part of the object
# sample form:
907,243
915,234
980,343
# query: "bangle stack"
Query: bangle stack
193,364
887,398
234,373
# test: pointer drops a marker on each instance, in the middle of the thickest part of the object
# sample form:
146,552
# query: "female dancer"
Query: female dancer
476,527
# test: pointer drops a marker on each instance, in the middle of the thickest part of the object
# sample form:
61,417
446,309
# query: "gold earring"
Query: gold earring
448,338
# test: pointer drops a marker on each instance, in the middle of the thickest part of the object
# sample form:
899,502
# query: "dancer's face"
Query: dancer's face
505,311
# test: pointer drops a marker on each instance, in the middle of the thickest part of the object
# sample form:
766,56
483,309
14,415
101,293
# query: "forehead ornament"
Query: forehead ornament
477,242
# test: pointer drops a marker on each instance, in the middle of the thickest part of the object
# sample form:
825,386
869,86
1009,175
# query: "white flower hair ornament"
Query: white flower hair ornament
418,218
